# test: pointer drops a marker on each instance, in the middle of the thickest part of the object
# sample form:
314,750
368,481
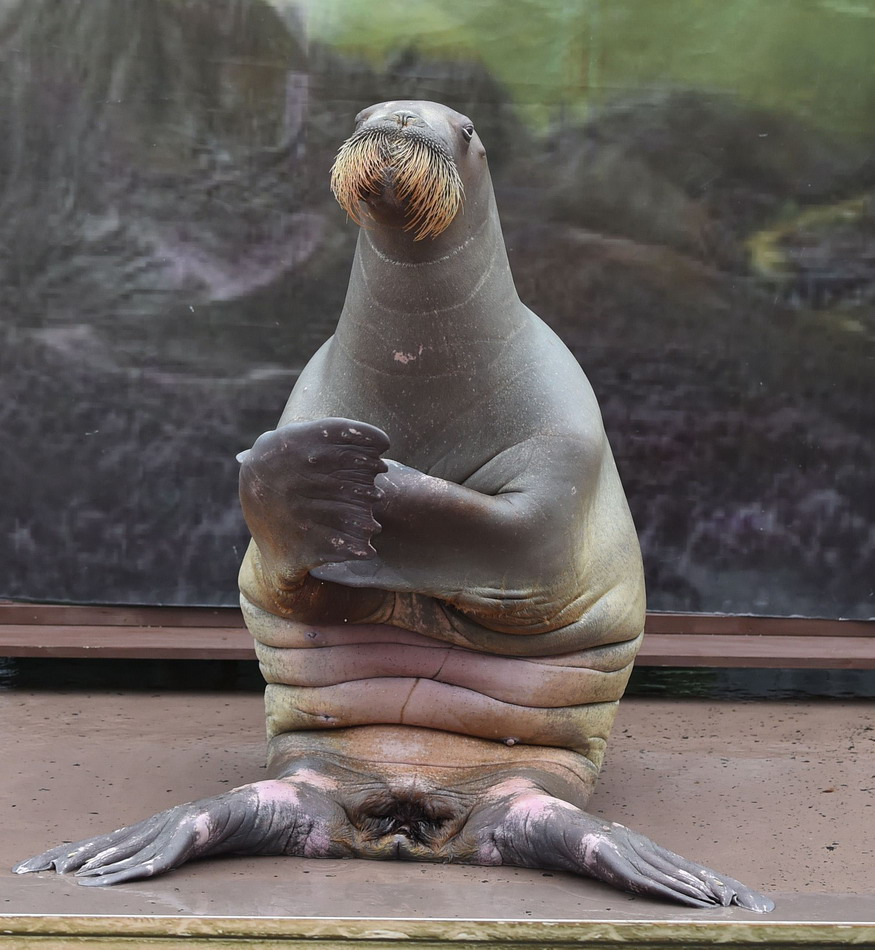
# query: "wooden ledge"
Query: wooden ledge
207,633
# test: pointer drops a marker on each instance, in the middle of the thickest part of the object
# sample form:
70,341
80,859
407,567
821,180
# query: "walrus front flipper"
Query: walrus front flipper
519,824
307,492
283,816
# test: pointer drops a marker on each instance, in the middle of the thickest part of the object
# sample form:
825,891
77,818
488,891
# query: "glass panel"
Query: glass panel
688,196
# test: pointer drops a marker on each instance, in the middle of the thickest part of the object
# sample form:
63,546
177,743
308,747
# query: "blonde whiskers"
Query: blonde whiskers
421,171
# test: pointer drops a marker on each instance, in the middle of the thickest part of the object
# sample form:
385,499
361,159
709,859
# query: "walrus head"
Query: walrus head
401,167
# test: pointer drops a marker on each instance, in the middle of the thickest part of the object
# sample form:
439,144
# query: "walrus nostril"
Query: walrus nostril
404,118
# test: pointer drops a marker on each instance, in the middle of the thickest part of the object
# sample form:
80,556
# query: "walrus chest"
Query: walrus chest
337,677
448,409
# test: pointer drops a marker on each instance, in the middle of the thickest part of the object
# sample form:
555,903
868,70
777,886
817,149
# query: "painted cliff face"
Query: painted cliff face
705,254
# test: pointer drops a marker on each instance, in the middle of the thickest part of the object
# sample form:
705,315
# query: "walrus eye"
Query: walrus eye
468,133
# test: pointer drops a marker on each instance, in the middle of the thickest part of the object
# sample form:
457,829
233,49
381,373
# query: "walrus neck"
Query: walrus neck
439,304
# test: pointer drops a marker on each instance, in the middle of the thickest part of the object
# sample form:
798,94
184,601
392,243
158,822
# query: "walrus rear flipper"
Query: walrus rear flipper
290,816
519,824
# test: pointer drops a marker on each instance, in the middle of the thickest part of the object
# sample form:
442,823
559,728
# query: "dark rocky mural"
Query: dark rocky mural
170,256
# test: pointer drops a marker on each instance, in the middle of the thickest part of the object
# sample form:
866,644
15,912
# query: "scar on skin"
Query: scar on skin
529,799
406,358
202,827
589,848
273,790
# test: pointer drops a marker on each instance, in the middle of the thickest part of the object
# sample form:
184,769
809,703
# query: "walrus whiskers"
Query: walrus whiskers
423,173
427,178
358,169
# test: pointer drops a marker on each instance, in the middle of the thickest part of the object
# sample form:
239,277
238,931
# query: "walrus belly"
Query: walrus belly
336,677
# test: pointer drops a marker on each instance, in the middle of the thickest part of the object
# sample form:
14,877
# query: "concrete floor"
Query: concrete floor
780,795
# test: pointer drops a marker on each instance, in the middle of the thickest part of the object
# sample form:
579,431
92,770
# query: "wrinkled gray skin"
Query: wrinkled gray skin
497,525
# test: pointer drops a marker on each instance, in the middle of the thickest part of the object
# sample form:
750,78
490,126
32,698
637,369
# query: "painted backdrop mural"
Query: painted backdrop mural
688,195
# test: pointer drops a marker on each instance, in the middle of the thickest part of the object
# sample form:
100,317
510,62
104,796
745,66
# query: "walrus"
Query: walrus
444,581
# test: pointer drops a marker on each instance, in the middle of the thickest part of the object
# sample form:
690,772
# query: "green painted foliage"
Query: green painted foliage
811,57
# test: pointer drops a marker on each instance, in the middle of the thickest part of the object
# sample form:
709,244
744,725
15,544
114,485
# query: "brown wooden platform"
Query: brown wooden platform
219,634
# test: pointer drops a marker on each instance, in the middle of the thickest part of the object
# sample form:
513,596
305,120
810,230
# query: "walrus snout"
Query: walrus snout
401,170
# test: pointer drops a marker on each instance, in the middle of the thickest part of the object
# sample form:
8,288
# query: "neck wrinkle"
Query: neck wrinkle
459,248
468,281
412,285
415,323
